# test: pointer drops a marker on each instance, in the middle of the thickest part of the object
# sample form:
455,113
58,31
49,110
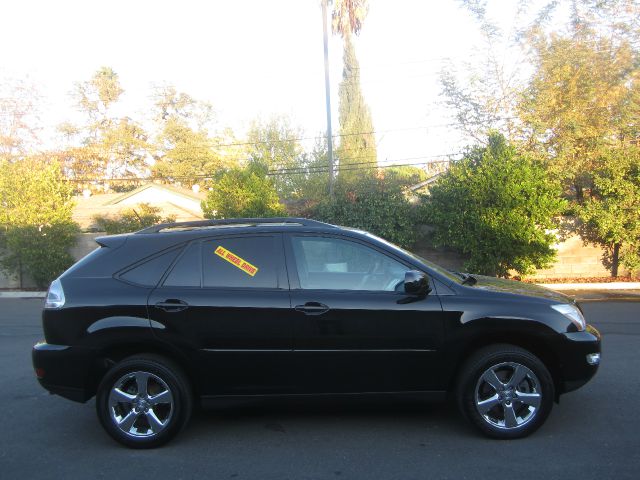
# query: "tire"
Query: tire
505,391
144,401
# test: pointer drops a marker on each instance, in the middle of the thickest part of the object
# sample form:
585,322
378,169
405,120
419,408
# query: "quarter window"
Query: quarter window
150,272
335,264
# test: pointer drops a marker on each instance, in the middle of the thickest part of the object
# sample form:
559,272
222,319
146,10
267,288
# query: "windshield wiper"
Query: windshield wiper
467,279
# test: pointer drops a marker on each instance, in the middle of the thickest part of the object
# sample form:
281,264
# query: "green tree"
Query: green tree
19,108
612,213
35,219
276,144
575,49
372,204
106,145
184,151
311,179
357,141
243,192
582,102
496,206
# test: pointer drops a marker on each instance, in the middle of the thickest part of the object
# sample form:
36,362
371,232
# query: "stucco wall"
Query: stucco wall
574,259
577,260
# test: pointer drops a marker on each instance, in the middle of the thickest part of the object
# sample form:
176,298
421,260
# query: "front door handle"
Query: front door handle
172,305
312,308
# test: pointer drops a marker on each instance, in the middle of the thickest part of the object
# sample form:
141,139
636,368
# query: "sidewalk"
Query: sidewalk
22,294
592,286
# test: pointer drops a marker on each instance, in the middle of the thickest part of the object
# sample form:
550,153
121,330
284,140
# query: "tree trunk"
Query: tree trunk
615,259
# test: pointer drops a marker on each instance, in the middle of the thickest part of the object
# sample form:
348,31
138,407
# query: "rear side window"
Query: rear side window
150,272
232,262
241,262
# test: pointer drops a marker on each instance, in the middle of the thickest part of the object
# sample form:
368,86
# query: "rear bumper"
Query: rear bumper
576,369
64,370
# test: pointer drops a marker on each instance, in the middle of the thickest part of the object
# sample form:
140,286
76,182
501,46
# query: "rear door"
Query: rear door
355,328
225,303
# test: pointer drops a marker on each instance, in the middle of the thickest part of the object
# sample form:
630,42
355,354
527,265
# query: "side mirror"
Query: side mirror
416,283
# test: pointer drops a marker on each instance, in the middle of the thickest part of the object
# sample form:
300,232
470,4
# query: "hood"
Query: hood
502,285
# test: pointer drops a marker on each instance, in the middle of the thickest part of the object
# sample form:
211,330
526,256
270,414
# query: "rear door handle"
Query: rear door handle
172,305
312,308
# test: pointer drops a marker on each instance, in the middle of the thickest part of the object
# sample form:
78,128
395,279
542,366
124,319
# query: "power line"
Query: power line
322,137
291,171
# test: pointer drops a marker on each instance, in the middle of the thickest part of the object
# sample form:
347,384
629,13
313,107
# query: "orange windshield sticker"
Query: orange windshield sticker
233,259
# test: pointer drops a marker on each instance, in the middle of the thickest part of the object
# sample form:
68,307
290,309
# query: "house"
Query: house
179,202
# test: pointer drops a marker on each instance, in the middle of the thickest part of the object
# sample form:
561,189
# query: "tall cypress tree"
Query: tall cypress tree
357,148
357,143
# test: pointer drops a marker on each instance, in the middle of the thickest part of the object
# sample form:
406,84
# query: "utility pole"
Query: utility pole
328,97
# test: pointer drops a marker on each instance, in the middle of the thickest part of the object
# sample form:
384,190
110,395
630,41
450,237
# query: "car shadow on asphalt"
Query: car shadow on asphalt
327,413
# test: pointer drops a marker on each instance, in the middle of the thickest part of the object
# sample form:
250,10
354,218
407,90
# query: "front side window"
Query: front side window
336,264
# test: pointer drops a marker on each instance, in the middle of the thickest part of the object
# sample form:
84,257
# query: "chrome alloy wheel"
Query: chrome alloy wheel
508,395
140,404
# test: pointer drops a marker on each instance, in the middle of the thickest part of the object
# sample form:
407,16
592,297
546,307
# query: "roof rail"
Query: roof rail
305,222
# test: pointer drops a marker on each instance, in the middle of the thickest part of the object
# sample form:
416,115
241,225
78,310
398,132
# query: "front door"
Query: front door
355,328
225,303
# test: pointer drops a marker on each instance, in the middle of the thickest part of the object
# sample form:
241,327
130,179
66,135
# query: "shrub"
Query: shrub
243,192
131,219
40,251
496,206
373,204
35,219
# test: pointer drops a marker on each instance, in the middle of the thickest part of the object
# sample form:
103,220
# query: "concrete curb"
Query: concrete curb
592,286
22,294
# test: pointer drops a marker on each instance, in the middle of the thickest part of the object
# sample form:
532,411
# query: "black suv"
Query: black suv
153,321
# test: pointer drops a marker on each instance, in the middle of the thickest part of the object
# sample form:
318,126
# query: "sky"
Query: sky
250,59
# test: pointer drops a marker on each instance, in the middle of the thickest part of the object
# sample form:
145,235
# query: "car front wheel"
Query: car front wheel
144,401
505,391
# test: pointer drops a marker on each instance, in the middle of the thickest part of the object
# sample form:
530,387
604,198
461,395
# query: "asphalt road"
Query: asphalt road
594,433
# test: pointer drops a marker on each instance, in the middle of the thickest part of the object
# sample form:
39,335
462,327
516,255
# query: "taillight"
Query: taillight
55,295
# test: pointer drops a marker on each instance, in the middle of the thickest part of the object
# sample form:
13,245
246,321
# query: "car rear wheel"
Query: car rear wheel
144,401
505,391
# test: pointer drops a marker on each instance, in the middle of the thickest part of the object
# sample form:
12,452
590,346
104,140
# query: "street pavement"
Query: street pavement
594,433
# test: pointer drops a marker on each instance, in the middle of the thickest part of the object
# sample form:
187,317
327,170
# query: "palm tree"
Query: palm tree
347,16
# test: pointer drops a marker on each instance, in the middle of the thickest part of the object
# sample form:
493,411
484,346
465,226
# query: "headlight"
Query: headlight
572,313
55,295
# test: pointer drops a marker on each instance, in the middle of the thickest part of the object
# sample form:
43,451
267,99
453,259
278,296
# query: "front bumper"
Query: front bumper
64,370
577,359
